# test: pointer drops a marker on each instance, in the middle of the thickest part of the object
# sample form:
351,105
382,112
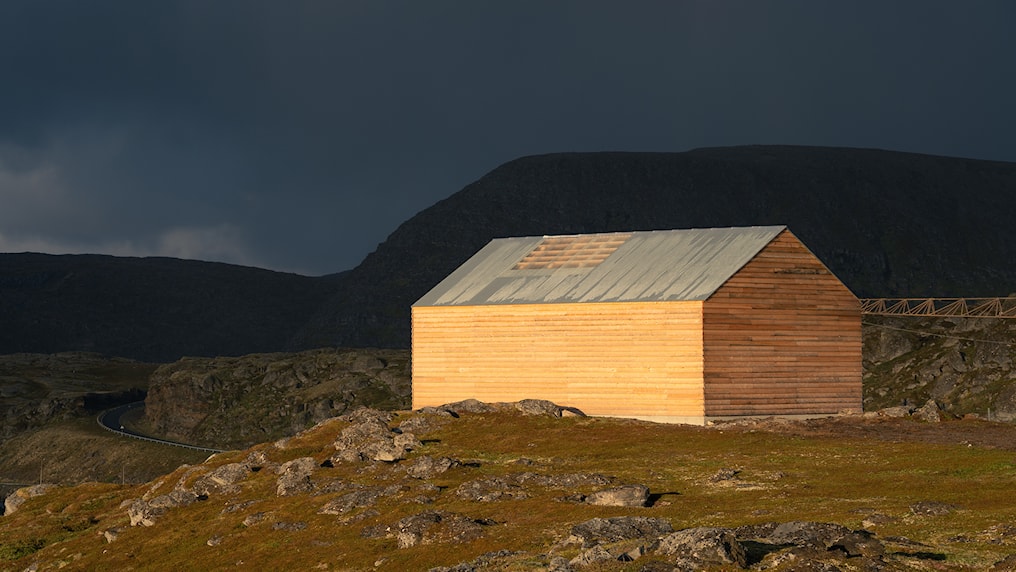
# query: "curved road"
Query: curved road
110,421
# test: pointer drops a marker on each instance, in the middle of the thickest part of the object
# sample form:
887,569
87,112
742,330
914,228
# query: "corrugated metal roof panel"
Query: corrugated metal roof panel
664,265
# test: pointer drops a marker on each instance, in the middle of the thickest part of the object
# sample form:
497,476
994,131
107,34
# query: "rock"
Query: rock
111,535
900,411
144,512
428,527
222,480
289,526
423,424
559,564
18,497
626,495
235,402
358,499
406,441
538,407
257,460
214,541
469,406
491,489
705,546
876,519
858,543
254,518
932,508
516,485
294,476
487,561
633,554
607,530
804,533
425,467
369,438
724,475
593,555
929,412
1007,564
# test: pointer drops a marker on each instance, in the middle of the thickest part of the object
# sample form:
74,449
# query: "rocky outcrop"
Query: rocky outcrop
236,402
368,437
18,497
807,545
965,366
294,477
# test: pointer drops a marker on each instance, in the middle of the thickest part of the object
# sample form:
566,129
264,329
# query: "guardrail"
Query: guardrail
123,409
941,307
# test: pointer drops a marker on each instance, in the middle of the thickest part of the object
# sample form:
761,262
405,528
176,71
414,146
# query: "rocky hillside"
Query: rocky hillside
965,365
38,389
230,402
886,223
499,487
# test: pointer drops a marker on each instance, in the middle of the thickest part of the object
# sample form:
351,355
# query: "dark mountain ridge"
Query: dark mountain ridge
151,309
886,223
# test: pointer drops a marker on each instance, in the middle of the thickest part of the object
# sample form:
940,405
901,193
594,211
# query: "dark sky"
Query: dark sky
297,135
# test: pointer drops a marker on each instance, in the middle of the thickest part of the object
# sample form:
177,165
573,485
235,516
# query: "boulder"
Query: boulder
18,497
111,534
369,438
626,495
294,476
358,499
425,467
929,412
538,407
591,556
705,546
804,533
222,480
144,512
607,530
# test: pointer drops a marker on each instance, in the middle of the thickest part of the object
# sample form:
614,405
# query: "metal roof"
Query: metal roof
661,265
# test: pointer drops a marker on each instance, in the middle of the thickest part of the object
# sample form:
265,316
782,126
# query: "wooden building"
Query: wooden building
680,326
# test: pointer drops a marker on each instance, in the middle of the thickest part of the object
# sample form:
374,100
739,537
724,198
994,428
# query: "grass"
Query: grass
781,478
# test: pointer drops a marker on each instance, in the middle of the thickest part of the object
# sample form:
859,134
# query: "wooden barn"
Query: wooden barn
680,326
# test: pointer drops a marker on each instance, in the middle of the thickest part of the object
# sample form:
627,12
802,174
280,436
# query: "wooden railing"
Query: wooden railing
944,307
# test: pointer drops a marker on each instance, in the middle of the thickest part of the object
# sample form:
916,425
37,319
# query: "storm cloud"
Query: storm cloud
297,135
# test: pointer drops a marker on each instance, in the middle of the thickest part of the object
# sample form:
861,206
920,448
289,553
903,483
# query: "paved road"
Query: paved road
110,420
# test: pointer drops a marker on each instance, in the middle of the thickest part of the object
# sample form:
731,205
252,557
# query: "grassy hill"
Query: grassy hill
514,492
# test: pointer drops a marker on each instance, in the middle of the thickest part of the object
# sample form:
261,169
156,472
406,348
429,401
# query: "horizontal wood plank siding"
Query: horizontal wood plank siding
640,359
782,337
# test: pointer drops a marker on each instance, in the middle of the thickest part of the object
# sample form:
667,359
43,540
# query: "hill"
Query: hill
150,309
886,223
515,487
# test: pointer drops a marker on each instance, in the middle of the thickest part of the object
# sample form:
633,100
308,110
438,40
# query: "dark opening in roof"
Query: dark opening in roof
583,251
